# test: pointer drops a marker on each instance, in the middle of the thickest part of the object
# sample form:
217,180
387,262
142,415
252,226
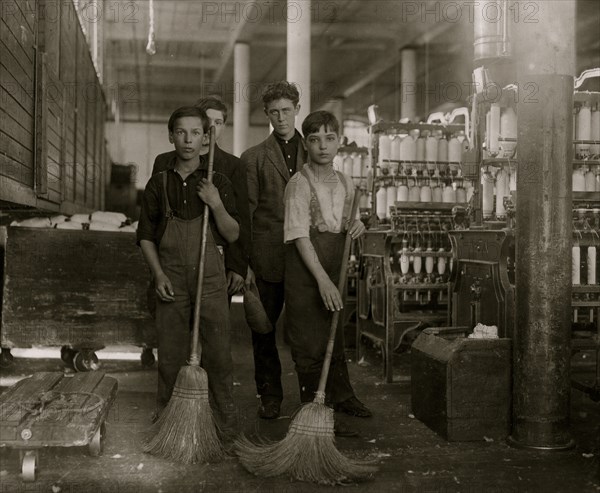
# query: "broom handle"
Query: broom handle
196,349
341,287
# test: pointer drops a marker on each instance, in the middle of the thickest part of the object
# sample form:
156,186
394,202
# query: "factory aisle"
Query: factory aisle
411,457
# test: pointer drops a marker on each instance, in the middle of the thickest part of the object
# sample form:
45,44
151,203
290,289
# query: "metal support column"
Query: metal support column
542,340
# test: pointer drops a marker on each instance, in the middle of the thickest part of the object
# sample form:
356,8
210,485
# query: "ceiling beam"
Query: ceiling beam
383,64
206,36
348,30
168,62
227,52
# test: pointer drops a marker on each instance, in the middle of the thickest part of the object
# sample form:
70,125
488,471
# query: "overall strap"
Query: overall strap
168,210
346,220
316,217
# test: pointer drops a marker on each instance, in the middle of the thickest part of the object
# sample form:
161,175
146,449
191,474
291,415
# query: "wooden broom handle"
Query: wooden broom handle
341,288
196,349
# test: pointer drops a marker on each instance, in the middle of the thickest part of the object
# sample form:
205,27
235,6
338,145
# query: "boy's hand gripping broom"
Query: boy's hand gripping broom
185,431
308,451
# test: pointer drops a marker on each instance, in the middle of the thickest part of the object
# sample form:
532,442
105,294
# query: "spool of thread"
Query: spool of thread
404,259
420,148
443,150
448,195
436,192
590,181
576,261
454,150
338,162
417,261
584,130
487,193
385,149
501,184
414,192
591,265
402,192
425,192
408,149
357,167
595,131
429,263
441,263
347,169
578,179
431,149
512,180
381,203
493,130
395,148
391,197
508,130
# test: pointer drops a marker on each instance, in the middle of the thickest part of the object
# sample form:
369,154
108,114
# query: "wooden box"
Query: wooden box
460,387
85,289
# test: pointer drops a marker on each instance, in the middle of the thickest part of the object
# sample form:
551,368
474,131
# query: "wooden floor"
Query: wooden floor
411,457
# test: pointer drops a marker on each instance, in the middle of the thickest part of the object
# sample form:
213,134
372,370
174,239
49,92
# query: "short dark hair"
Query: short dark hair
188,111
213,103
281,90
317,119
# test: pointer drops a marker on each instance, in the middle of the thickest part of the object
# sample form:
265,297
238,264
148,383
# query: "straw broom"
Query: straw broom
308,451
186,431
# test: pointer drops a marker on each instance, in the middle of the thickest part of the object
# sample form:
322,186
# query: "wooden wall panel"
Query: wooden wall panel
52,109
17,57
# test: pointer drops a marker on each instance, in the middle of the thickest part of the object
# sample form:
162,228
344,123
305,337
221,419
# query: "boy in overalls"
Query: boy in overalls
318,201
169,234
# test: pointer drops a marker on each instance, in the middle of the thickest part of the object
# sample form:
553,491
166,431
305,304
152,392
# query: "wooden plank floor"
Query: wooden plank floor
411,457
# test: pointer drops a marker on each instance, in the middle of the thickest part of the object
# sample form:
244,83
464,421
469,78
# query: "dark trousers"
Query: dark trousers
267,367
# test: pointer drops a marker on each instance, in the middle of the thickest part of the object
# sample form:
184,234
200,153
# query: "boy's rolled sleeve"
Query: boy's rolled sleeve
149,215
227,194
297,209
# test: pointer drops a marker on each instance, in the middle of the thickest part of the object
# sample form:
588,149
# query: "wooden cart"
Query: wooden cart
79,290
52,409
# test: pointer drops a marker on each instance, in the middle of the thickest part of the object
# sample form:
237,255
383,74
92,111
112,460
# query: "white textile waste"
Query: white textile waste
116,218
484,332
33,222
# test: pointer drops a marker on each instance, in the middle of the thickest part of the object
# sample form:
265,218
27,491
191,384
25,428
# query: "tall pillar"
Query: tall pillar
241,103
298,52
545,56
408,84
336,106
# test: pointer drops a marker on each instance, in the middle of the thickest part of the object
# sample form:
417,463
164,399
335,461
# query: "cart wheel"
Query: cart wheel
148,358
29,466
6,358
85,361
97,444
67,354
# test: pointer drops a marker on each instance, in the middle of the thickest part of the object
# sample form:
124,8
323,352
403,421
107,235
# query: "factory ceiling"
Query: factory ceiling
355,50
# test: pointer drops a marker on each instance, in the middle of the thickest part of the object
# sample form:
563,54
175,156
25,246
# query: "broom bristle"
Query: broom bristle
185,431
307,453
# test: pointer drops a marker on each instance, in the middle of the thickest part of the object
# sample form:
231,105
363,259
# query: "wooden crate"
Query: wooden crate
85,289
461,388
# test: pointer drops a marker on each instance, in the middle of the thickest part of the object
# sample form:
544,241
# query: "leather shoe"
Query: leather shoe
269,409
343,430
354,407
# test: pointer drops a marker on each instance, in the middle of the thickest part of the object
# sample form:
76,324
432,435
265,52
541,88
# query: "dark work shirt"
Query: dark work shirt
184,201
289,148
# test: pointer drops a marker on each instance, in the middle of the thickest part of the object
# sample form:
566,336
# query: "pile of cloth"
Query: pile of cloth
484,332
96,221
